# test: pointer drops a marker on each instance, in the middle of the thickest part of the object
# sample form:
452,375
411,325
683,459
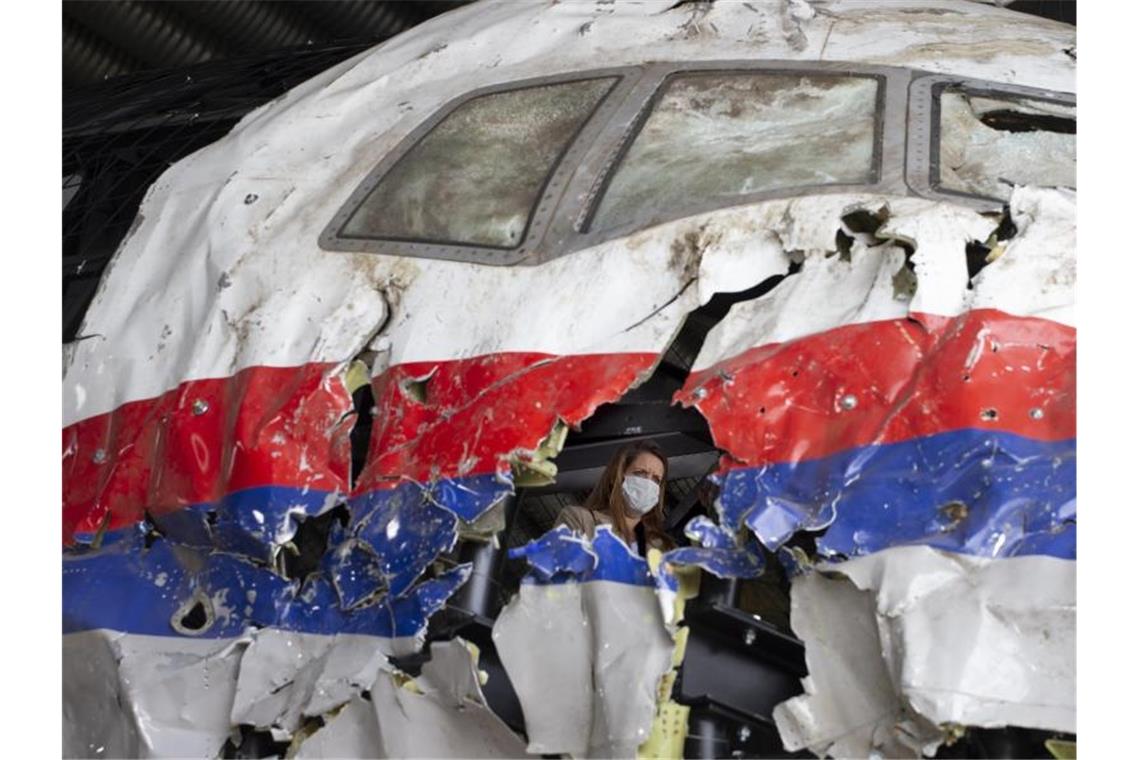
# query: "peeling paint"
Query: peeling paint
886,392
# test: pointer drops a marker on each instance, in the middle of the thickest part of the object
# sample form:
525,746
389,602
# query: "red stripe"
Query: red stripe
264,426
289,427
909,378
476,412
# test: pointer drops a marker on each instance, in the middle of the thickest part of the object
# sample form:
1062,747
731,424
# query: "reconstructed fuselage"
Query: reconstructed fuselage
501,220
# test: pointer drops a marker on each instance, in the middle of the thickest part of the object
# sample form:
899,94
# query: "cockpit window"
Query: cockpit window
989,144
722,136
475,178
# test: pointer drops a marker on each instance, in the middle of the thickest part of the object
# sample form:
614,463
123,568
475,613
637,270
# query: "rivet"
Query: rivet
848,402
700,392
1036,413
200,407
251,198
99,457
749,637
743,734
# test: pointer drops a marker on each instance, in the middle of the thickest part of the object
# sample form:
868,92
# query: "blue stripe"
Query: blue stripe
470,496
555,560
976,492
243,522
129,588
366,583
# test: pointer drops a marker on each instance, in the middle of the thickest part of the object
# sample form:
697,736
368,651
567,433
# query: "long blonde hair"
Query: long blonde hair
607,495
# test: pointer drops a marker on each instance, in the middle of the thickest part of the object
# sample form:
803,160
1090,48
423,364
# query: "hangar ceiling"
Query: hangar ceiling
104,39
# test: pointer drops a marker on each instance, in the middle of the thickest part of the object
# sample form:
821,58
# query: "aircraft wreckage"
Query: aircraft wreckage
353,356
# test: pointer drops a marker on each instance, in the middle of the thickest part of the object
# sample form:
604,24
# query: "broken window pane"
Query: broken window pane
724,136
988,144
476,177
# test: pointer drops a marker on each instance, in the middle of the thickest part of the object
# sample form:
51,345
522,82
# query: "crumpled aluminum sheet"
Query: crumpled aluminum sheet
156,588
212,396
910,639
585,645
184,696
901,408
443,713
954,418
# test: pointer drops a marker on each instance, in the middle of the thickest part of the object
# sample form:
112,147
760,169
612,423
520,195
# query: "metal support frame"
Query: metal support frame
738,661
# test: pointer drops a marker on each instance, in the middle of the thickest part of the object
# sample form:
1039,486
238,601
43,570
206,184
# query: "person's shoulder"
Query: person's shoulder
577,510
579,518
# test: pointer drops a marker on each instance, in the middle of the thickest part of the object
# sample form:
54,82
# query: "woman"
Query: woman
630,498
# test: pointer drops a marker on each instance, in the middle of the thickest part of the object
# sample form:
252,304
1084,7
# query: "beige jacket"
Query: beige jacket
582,520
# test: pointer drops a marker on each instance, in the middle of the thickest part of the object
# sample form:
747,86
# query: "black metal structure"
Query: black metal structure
102,40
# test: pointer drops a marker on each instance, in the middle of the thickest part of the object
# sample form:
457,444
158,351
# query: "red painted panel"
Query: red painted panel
475,412
289,427
907,377
263,426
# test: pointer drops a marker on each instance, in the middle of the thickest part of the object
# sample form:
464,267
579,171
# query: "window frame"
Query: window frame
543,208
924,131
720,69
906,136
569,233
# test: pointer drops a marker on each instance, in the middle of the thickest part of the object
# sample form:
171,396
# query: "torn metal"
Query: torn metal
442,713
862,397
882,392
585,644
888,675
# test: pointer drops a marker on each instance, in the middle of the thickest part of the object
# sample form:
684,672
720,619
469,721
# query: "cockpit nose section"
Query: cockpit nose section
330,403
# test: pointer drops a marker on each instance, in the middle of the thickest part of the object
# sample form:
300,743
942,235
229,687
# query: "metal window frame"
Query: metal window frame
924,132
904,156
569,232
542,209
668,75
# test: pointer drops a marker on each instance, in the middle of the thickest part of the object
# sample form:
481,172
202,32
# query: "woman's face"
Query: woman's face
646,465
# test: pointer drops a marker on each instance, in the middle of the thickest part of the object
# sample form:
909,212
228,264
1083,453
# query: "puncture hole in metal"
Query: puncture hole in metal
251,198
195,616
989,415
952,514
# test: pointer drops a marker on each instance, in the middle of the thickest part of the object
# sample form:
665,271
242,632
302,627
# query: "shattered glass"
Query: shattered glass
476,177
725,136
989,145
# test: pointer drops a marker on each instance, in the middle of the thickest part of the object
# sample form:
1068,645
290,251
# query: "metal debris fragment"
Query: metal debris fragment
886,674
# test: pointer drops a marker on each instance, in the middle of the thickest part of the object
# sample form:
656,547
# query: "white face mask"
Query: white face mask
641,494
